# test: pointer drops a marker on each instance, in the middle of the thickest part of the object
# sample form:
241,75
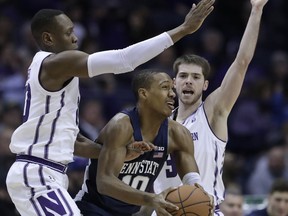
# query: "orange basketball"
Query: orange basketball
191,200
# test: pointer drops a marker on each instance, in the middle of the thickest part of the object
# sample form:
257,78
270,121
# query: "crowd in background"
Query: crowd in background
257,150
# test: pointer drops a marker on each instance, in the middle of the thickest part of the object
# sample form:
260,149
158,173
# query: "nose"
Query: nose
172,93
75,39
189,80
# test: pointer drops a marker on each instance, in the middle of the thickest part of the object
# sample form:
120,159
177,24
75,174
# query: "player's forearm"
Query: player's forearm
127,59
250,37
85,147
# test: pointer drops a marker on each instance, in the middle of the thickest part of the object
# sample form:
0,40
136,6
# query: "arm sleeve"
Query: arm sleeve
127,59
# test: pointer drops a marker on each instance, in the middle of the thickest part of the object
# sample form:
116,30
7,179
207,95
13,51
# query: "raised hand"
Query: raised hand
197,15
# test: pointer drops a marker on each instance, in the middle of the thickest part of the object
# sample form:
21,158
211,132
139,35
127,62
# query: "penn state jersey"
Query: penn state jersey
209,155
139,173
50,123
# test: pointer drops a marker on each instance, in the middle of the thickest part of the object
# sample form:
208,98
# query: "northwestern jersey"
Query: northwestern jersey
209,155
139,173
50,122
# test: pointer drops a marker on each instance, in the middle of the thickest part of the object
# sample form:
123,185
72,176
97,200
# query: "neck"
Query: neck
149,119
185,110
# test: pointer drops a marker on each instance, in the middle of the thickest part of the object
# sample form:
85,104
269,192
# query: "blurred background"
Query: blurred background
257,151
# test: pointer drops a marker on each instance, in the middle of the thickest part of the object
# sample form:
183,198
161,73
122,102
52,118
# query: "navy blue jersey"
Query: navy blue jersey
139,173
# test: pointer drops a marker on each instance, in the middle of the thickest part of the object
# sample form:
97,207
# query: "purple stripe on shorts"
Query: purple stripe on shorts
31,189
66,202
46,153
25,175
40,172
35,206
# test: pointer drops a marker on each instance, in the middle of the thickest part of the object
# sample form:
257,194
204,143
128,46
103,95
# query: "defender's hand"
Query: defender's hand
211,199
197,15
138,148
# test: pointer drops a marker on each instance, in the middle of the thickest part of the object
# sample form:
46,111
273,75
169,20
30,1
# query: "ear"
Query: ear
47,38
143,94
174,83
205,86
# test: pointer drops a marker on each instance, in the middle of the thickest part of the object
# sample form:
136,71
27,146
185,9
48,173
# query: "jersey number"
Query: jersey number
138,182
170,168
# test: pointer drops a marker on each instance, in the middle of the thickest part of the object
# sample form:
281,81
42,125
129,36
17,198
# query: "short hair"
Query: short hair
279,185
193,59
42,21
143,79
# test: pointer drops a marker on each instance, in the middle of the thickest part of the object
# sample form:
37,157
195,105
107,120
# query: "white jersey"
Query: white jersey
50,124
209,155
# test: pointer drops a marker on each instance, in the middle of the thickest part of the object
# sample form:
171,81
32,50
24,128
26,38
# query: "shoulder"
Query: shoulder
120,121
118,128
176,128
179,136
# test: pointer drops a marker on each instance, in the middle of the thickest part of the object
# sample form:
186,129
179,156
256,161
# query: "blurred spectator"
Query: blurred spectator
11,115
233,203
6,160
233,165
91,118
277,204
270,167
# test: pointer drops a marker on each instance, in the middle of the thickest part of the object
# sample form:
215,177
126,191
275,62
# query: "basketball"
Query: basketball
191,200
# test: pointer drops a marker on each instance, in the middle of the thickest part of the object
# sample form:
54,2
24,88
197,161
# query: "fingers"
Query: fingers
193,6
205,7
141,146
199,186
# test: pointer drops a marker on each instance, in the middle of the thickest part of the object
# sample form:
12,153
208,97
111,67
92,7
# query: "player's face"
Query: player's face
278,204
63,35
190,83
232,205
161,95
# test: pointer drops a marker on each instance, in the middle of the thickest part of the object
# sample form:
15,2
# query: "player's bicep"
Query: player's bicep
115,136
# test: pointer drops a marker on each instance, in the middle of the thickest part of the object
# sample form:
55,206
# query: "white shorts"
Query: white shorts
38,190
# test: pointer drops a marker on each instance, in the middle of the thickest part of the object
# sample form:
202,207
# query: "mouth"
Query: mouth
188,92
171,104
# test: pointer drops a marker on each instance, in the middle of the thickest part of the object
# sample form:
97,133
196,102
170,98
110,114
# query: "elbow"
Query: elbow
102,186
242,64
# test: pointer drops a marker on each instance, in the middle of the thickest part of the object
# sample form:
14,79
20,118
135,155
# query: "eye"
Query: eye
197,77
182,75
165,87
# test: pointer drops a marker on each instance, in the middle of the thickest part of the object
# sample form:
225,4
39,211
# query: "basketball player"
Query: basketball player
44,143
207,120
114,187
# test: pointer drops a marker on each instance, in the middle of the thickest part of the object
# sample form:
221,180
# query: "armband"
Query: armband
191,178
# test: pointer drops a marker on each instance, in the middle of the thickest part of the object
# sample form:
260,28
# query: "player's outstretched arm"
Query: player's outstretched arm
227,94
58,68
